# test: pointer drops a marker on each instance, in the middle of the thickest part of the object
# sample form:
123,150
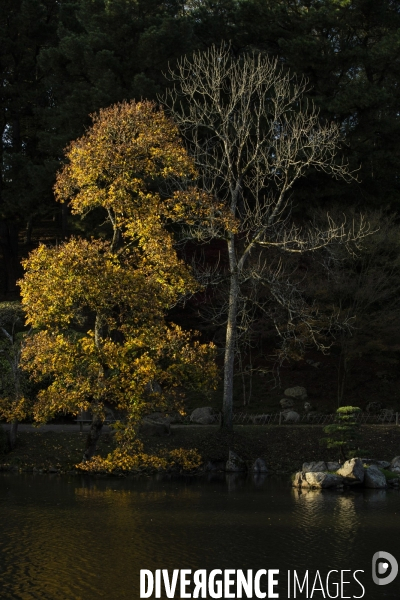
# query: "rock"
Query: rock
235,464
373,407
374,478
383,464
393,482
286,403
153,387
333,466
203,416
260,466
352,471
316,480
395,462
297,392
291,416
323,480
313,467
299,480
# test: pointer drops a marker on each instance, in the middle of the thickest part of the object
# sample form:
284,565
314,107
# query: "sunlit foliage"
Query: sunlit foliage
122,461
98,306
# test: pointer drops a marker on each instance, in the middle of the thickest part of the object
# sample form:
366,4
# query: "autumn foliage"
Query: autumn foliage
98,306
123,461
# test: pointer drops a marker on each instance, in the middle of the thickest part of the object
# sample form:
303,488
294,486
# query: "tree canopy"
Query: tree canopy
82,56
98,306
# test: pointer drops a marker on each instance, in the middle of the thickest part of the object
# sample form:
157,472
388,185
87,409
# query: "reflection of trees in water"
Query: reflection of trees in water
119,495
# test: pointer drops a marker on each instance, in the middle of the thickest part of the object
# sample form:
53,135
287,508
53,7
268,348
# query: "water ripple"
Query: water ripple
87,539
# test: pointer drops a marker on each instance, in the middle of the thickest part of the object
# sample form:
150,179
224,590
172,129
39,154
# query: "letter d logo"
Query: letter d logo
382,567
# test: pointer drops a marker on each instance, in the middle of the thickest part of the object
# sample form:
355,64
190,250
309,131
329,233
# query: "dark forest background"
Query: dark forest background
62,60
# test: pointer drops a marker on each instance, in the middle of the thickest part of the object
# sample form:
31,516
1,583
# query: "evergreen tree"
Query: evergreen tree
25,173
349,53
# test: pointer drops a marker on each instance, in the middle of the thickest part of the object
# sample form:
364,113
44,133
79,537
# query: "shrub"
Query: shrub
122,460
343,434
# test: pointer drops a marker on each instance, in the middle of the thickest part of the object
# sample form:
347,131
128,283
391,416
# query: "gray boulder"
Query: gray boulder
352,471
317,480
374,478
297,392
260,466
382,464
333,466
291,416
315,467
235,464
323,480
286,403
395,464
202,416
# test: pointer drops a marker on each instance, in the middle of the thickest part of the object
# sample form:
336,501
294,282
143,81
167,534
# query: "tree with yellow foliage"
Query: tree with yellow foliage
98,306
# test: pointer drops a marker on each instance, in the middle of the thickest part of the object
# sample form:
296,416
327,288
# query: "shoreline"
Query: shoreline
58,448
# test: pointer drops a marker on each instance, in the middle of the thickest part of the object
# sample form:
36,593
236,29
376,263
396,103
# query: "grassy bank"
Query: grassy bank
283,448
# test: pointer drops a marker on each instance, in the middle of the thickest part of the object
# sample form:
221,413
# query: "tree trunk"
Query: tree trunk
93,438
12,435
97,422
28,231
227,407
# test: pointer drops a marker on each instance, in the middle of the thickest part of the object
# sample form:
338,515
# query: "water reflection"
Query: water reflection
87,538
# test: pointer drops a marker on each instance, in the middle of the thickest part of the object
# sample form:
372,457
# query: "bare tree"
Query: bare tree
252,136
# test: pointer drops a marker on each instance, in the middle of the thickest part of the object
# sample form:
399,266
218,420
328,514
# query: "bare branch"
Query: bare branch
252,137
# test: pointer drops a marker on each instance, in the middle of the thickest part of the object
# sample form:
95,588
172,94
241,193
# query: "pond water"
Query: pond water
83,538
